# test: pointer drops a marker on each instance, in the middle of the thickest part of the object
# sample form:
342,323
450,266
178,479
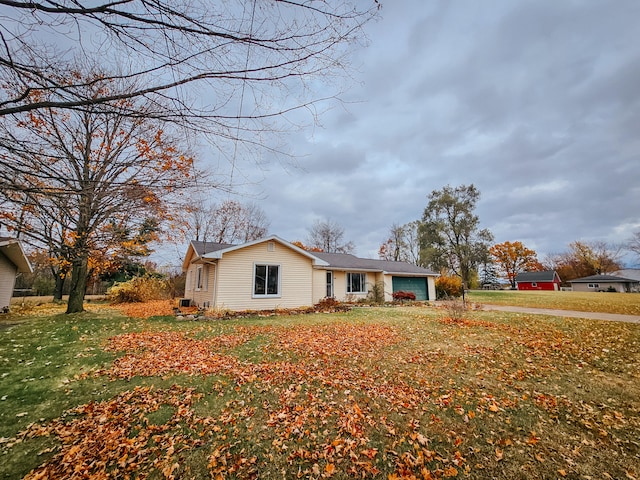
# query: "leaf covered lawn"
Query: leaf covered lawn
373,393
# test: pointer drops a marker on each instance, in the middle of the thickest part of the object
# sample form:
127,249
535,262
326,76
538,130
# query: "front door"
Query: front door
330,284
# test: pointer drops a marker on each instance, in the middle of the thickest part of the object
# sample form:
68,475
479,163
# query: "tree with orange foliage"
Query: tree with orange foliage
301,245
514,258
81,172
584,259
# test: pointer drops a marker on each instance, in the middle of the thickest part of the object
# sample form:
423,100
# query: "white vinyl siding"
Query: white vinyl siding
235,279
7,280
320,284
203,275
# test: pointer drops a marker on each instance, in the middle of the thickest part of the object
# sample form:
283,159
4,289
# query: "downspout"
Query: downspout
215,286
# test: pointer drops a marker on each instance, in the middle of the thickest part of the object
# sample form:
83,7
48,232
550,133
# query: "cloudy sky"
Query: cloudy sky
535,102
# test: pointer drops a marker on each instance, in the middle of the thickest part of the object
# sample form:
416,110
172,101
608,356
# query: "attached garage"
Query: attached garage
416,285
396,276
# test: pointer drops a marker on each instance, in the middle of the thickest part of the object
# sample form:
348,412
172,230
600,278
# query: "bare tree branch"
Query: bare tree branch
170,45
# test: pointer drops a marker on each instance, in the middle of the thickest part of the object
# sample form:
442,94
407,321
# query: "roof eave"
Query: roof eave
411,274
14,252
219,253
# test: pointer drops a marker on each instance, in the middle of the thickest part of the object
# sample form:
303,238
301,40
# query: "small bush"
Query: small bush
177,284
448,287
401,296
456,309
376,293
139,289
330,305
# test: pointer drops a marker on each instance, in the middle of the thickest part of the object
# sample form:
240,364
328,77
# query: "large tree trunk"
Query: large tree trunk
78,284
57,290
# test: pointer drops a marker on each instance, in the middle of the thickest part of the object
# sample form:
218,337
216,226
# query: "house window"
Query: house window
594,285
266,280
356,283
199,277
202,272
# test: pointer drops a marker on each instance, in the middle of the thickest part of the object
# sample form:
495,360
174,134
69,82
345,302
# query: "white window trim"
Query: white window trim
253,283
201,278
348,282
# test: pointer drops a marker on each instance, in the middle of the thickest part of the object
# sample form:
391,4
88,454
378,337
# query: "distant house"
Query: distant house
547,280
632,273
604,283
272,273
12,261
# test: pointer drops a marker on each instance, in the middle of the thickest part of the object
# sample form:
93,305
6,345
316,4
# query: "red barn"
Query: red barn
548,280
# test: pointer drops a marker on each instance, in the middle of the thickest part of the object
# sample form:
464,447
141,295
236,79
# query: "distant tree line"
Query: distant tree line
448,239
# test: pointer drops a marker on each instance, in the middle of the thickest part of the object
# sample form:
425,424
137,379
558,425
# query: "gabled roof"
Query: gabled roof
545,276
273,238
197,249
335,261
345,261
603,279
214,251
202,248
12,249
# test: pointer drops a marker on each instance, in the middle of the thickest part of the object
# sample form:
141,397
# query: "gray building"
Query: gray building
12,262
604,283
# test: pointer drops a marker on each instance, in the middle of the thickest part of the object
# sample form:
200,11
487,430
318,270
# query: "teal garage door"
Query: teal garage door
417,285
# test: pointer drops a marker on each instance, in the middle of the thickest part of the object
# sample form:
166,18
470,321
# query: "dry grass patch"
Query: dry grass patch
148,309
605,302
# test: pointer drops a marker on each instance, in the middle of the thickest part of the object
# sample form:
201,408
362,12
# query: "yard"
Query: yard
607,302
406,392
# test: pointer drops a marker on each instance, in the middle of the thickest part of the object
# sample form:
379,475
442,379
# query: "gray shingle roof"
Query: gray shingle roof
546,276
342,261
603,279
347,261
207,247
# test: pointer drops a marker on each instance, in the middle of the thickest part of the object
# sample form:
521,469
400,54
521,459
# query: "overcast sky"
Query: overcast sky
537,103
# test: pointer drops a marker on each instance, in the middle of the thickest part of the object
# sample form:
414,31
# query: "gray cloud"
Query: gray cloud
536,103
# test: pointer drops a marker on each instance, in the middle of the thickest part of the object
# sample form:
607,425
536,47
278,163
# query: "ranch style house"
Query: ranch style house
272,273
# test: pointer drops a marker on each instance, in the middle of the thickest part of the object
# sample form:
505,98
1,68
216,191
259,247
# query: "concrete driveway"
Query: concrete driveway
565,313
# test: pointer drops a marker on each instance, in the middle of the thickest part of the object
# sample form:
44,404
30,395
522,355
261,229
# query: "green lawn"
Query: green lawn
387,393
623,303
